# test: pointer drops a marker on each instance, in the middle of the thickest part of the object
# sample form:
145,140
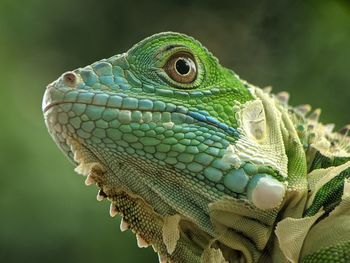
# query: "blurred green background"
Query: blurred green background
46,212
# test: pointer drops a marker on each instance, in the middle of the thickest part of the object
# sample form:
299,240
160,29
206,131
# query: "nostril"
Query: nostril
70,79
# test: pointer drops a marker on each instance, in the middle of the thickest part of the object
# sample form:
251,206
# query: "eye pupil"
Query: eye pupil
183,66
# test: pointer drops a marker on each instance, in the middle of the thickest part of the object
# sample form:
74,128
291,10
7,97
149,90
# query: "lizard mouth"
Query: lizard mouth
132,109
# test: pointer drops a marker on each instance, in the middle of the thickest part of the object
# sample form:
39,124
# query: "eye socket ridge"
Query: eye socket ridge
181,67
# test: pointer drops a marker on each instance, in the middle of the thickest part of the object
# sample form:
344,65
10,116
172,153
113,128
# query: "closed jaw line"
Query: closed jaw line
140,110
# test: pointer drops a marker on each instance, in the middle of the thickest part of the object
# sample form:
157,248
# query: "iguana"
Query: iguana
200,164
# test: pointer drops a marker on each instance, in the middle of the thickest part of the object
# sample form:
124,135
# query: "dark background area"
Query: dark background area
46,212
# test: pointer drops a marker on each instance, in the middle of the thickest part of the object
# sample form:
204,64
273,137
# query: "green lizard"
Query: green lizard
200,164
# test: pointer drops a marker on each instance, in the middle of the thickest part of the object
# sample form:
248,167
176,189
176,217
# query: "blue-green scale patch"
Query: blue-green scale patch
213,174
86,97
71,95
115,101
130,103
88,76
107,80
100,99
236,180
102,68
159,105
145,104
134,82
208,119
250,169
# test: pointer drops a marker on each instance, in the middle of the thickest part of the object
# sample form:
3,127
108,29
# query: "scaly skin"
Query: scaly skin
201,164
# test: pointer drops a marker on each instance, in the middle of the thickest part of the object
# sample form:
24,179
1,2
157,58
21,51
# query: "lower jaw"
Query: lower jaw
137,213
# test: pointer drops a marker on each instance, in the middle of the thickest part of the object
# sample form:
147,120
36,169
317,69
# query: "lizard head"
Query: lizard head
165,130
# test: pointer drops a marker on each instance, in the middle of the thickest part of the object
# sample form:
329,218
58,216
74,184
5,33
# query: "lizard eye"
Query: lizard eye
181,67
